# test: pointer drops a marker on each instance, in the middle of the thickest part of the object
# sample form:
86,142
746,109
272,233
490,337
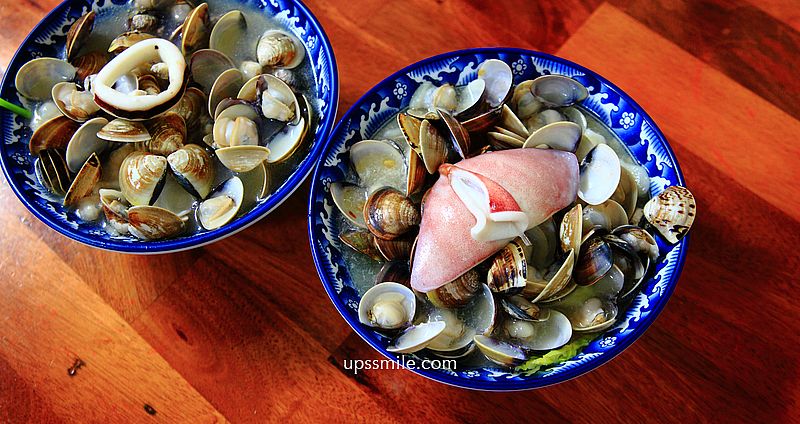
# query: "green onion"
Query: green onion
21,111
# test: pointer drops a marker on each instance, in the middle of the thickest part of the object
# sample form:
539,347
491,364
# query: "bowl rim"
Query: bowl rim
296,179
474,384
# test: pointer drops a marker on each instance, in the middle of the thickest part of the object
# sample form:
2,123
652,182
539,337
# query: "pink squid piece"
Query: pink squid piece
480,204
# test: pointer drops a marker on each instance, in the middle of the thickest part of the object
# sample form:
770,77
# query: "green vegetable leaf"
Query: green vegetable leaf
564,353
21,111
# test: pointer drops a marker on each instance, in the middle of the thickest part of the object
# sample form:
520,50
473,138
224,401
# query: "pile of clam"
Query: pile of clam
112,128
569,276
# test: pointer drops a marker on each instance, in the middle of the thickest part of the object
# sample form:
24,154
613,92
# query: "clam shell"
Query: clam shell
242,158
500,352
563,136
84,143
518,307
89,64
469,96
52,172
556,284
639,240
523,102
78,33
509,269
193,168
672,212
226,85
511,122
126,40
458,292
229,30
626,193
600,172
593,308
558,90
457,133
53,134
396,249
84,181
350,199
608,215
35,79
75,104
361,241
433,147
279,49
378,164
387,306
154,223
124,131
499,79
195,33
416,172
483,121
417,337
222,205
594,261
168,134
555,332
396,271
389,214
191,107
142,176
287,141
410,126
207,65
571,230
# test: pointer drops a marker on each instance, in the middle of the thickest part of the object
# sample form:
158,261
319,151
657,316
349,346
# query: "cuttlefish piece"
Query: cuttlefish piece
541,182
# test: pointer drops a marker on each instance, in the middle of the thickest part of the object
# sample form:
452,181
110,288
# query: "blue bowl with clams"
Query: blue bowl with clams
47,39
606,103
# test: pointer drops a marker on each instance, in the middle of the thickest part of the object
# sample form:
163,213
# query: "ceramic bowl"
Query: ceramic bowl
47,39
606,101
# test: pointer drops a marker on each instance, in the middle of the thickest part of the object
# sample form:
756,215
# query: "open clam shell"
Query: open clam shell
433,147
280,49
77,35
593,308
463,324
54,133
500,352
84,143
378,164
195,32
350,199
74,103
362,241
571,230
558,90
227,84
168,134
558,135
89,64
35,79
458,292
498,78
540,290
509,270
387,306
242,158
229,30
124,131
608,215
594,261
458,134
154,223
539,336
84,181
207,65
417,337
222,205
52,172
600,173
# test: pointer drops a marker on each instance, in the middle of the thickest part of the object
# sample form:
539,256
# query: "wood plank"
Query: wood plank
697,105
735,37
783,10
59,320
219,328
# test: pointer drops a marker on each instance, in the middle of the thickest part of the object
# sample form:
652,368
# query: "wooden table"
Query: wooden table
242,330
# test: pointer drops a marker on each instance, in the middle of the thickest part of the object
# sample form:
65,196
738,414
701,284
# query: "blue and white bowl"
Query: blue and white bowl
47,39
610,104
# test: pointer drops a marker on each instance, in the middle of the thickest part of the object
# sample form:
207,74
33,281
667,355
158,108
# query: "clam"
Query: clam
195,32
608,215
148,84
458,134
226,85
284,143
594,261
538,289
589,140
428,97
416,174
483,121
627,260
671,212
154,223
410,126
500,352
222,205
193,168
511,122
78,33
228,32
44,112
277,100
558,90
89,64
141,107
251,69
191,107
350,200
124,131
571,231
503,139
541,336
75,104
53,134
396,271
523,102
558,135
542,119
600,173
84,143
389,214
242,158
593,308
417,337
167,134
142,176
84,182
387,306
361,241
517,307
574,115
498,78
458,292
509,269
433,147
35,79
396,249
462,325
125,40
207,65
279,49
115,209
541,248
378,164
639,240
52,172
469,96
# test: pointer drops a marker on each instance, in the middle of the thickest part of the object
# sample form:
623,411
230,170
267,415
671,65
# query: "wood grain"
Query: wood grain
241,330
